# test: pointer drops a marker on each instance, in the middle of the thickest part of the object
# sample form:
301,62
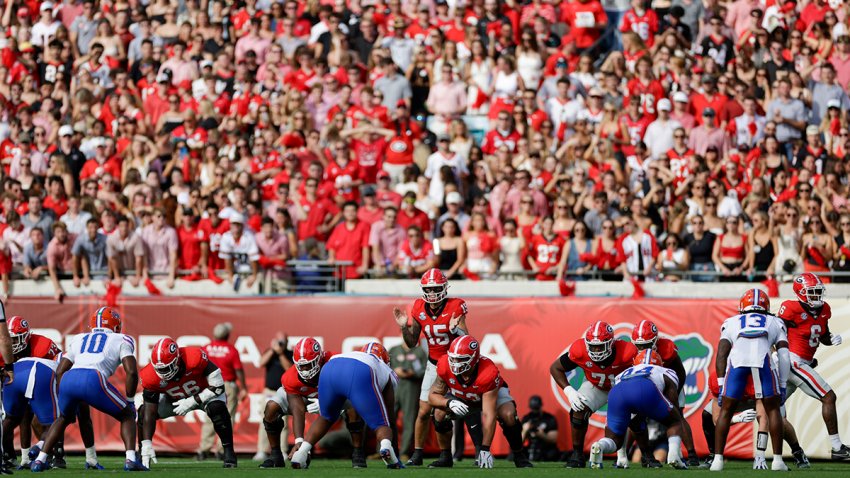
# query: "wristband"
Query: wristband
485,447
298,440
720,381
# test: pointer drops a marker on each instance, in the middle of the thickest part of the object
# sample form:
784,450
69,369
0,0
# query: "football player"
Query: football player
364,379
602,358
744,350
176,381
82,378
467,381
807,319
648,390
442,320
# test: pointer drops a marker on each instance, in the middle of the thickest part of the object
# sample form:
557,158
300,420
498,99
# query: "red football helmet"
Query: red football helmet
648,357
165,358
755,300
307,355
809,289
106,318
19,331
435,286
599,340
464,354
377,350
645,335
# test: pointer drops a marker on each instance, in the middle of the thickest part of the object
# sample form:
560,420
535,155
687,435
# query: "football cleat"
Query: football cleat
622,463
650,462
693,462
415,458
801,459
521,460
387,456
678,464
717,464
24,466
96,466
842,453
707,463
358,459
778,465
131,465
33,453
229,458
576,460
759,463
272,463
59,462
5,470
444,461
595,456
38,466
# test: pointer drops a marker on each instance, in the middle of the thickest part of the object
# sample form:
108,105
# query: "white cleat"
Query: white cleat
595,456
622,463
678,464
779,466
717,463
759,463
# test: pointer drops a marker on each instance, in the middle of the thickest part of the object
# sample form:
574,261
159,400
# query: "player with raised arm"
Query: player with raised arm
441,319
365,380
746,343
82,378
467,381
647,390
807,319
176,381
602,358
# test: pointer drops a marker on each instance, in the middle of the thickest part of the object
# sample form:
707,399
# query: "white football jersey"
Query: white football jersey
383,372
752,337
655,373
101,350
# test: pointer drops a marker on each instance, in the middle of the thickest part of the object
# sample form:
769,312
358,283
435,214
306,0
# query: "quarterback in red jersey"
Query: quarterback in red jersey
467,381
176,381
442,320
807,319
602,358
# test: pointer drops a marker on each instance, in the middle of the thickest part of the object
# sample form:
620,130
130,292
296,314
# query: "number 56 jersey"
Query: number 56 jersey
191,381
101,350
752,337
436,327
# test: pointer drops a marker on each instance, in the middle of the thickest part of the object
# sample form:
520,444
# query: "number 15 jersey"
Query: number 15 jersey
752,337
101,350
436,326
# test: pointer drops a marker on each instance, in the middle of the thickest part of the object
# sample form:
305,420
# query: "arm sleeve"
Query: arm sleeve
784,366
150,396
567,362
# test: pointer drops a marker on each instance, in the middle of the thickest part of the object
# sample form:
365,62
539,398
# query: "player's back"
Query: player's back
100,350
656,374
383,372
752,336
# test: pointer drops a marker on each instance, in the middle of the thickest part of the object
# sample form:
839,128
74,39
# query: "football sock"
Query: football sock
513,434
24,453
131,455
674,443
836,441
386,444
621,453
40,444
42,457
777,458
708,430
607,445
91,456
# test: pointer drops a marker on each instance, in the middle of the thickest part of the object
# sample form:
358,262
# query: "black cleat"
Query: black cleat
521,460
229,458
274,462
801,459
415,459
707,463
358,459
58,462
842,453
444,461
650,462
576,460
693,461
5,470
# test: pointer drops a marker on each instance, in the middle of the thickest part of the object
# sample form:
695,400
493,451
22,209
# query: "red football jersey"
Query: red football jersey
546,254
487,378
436,327
602,377
804,336
292,382
39,347
666,348
192,382
647,95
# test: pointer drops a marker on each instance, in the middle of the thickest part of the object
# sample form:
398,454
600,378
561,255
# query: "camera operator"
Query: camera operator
540,432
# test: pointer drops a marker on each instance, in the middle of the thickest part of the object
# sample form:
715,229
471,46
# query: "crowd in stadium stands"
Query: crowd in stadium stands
542,139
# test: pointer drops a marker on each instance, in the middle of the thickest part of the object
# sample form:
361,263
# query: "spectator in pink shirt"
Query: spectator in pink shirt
161,243
274,246
60,259
680,111
253,42
385,238
446,100
520,187
181,69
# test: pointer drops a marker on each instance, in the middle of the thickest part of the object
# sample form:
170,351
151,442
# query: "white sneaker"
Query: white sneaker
759,463
779,466
260,456
622,462
595,456
717,463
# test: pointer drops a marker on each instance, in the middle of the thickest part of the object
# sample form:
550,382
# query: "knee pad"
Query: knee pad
217,411
579,421
274,427
443,426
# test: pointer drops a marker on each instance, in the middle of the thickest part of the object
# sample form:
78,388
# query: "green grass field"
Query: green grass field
172,466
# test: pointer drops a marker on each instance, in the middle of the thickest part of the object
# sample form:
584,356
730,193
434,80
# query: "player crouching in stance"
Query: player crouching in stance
746,343
176,381
467,381
366,380
646,390
82,378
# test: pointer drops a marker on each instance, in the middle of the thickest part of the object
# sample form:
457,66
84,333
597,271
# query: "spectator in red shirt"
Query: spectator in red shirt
194,247
226,358
416,255
316,215
409,215
349,241
586,19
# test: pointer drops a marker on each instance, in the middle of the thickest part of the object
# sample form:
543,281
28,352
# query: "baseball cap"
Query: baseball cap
596,92
99,142
454,197
162,78
23,12
66,130
383,175
401,104
46,6
561,63
206,63
665,105
680,97
812,130
25,46
709,111
706,78
237,218
833,103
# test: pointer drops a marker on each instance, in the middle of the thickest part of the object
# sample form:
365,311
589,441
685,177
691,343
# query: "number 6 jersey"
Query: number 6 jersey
435,326
101,350
805,328
189,383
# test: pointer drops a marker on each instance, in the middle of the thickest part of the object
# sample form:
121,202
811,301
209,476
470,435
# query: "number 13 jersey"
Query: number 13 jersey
435,326
101,350
752,337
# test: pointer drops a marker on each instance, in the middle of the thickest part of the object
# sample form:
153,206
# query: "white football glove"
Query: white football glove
577,400
184,406
747,416
835,339
485,459
148,454
313,406
458,408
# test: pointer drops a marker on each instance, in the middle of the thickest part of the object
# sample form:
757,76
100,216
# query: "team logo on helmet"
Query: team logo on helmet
24,323
473,345
172,347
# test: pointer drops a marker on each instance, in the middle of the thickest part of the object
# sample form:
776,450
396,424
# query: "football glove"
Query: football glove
313,406
485,459
578,402
747,416
184,406
835,339
148,454
458,408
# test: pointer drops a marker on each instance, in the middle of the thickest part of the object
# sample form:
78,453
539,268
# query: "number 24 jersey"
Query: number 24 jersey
436,326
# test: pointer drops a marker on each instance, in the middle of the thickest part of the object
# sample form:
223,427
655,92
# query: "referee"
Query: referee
8,374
